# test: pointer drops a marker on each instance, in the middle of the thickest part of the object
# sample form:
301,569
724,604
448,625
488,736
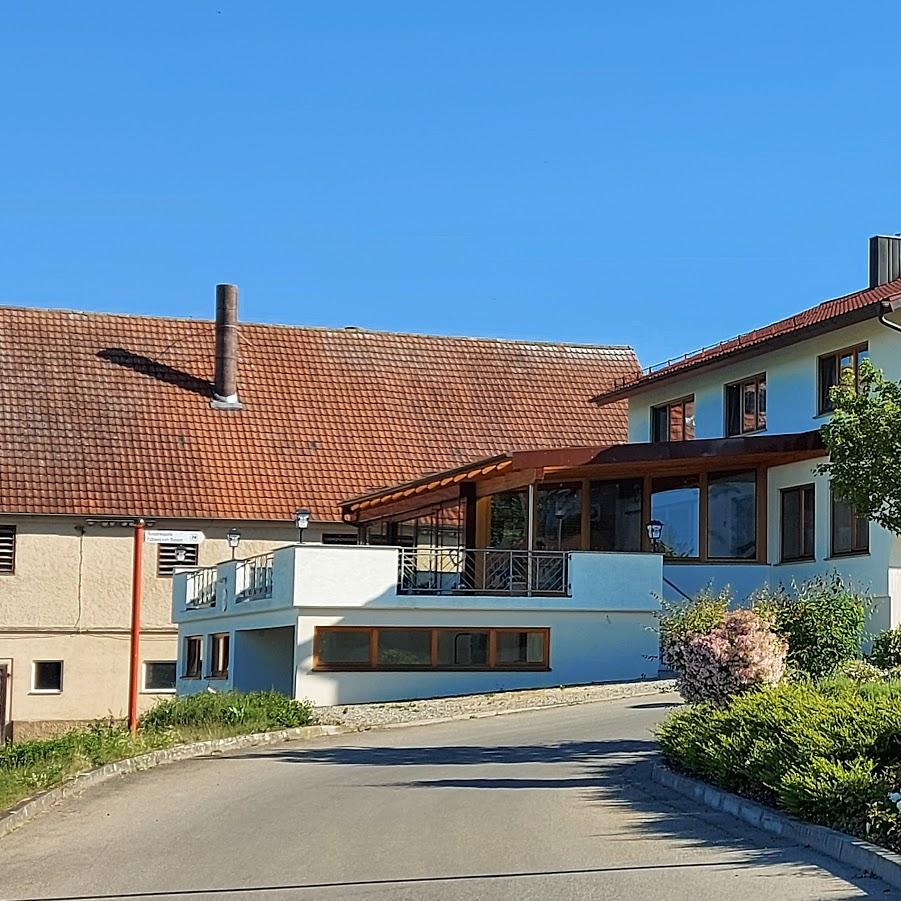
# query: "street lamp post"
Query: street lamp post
301,521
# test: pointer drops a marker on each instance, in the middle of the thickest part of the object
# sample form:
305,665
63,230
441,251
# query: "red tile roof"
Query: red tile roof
109,415
829,315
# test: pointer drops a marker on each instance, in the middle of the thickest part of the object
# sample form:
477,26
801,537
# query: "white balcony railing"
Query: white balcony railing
514,573
201,588
253,579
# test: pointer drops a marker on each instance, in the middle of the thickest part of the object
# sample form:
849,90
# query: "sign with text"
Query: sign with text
173,536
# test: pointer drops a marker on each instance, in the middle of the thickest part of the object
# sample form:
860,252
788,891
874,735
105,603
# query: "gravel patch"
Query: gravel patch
493,703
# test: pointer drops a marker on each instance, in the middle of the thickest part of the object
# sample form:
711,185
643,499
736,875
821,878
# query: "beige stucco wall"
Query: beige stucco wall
70,599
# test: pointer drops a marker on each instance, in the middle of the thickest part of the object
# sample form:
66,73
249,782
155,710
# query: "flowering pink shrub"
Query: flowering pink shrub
739,654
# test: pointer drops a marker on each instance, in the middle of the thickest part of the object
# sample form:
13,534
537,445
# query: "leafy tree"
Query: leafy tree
864,443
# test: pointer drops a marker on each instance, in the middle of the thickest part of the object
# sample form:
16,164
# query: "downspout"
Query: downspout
891,305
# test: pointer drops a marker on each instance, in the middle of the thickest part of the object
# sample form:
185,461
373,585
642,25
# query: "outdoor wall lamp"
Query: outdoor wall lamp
233,537
301,521
655,530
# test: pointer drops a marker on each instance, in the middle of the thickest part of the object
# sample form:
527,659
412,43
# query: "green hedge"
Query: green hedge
828,754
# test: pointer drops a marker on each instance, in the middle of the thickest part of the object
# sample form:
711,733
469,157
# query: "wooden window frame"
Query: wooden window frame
703,558
198,674
668,406
855,550
741,384
374,666
217,638
166,569
854,351
801,558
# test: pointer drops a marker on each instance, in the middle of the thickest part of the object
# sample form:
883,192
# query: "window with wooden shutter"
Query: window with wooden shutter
175,556
7,549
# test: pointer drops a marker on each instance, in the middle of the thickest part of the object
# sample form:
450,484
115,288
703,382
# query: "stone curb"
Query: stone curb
617,692
855,852
17,815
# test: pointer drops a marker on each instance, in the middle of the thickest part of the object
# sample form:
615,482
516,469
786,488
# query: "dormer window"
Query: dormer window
746,406
674,421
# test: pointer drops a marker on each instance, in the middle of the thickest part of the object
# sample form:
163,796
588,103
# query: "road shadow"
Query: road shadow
608,773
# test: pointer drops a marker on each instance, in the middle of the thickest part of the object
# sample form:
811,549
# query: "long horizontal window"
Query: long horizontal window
373,648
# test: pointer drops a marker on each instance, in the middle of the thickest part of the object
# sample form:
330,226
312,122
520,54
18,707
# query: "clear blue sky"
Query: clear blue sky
660,174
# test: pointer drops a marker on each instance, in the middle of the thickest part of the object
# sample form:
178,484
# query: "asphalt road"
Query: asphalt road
543,805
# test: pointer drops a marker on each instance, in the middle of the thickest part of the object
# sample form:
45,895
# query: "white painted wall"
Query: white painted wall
585,647
791,383
791,407
603,631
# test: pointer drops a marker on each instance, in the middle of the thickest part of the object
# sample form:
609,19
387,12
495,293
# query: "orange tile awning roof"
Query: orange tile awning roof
109,415
824,317
639,457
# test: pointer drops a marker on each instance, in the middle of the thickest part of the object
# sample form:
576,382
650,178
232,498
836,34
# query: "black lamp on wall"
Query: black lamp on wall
655,531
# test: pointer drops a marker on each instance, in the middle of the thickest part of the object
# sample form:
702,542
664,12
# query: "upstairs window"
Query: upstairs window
746,406
7,549
674,421
173,556
832,368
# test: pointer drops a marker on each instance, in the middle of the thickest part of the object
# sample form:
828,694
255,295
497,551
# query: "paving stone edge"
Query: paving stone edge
20,813
862,855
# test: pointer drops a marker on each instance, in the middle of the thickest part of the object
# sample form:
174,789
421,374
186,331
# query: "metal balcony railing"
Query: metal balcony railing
436,570
253,578
202,588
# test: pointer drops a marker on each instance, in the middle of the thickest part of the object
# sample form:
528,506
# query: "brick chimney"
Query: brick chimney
225,381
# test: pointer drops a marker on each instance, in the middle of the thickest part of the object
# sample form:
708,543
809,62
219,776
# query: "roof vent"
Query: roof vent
885,259
225,382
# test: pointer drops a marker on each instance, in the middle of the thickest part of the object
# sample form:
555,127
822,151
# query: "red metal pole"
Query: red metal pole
136,575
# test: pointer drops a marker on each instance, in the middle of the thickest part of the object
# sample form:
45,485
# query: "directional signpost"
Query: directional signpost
173,536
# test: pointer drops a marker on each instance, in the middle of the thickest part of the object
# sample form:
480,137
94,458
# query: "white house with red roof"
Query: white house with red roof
546,566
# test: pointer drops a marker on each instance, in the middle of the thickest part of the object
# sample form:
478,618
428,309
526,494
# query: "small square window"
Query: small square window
48,676
159,675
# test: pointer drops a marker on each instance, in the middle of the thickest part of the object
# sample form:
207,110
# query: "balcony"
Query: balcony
315,576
